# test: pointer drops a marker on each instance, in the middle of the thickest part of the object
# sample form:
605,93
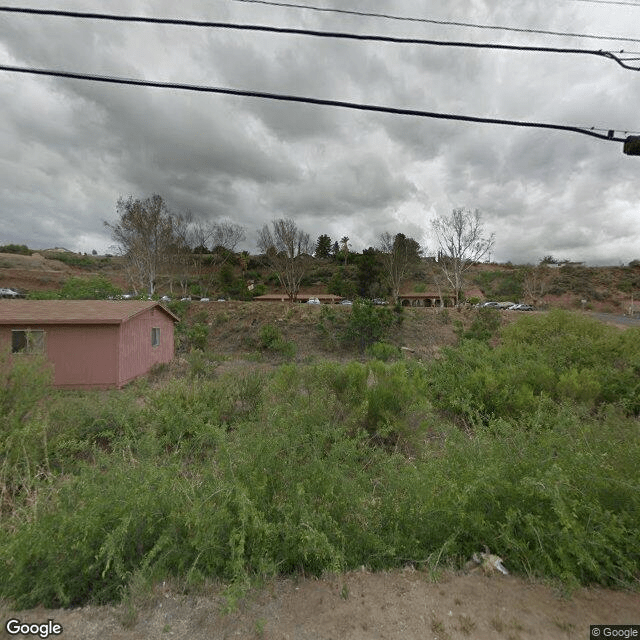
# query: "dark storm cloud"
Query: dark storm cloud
70,148
344,187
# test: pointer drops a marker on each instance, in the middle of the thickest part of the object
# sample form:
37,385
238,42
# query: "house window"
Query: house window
27,341
155,336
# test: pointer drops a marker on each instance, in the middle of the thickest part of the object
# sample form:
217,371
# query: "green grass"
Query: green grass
328,467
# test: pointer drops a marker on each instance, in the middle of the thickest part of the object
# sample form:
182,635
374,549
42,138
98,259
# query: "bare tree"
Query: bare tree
211,245
287,250
462,243
536,282
146,236
399,254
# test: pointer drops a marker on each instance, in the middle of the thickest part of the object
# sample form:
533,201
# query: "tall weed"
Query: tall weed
328,467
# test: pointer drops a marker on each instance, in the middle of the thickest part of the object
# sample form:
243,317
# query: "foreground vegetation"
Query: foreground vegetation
529,447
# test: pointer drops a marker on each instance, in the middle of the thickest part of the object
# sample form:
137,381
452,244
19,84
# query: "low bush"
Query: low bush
367,324
271,340
559,356
333,466
383,351
21,249
484,326
92,288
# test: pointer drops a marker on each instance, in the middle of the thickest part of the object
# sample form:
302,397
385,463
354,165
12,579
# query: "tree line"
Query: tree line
158,244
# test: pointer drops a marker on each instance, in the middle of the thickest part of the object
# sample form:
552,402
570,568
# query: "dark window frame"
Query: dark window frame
28,342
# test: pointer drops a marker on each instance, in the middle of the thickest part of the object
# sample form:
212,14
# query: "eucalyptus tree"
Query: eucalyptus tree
462,243
147,236
399,254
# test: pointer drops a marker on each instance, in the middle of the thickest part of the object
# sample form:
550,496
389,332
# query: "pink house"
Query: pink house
91,343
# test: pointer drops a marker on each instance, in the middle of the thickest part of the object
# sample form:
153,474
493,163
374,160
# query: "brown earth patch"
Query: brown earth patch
235,328
397,605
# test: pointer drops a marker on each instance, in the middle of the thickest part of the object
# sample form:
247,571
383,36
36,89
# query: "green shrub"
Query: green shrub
330,467
25,383
368,324
341,285
75,260
500,285
258,290
561,356
484,325
179,308
383,351
21,249
197,336
200,364
92,288
271,340
269,336
46,294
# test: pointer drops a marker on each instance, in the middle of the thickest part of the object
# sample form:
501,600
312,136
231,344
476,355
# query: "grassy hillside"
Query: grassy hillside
601,288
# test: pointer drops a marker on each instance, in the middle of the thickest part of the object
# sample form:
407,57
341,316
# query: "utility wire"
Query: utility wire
302,99
629,4
449,23
324,34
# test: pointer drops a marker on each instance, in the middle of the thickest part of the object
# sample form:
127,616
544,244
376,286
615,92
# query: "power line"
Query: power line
303,99
449,23
629,4
324,34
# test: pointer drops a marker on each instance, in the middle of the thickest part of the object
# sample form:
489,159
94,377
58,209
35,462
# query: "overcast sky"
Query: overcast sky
69,149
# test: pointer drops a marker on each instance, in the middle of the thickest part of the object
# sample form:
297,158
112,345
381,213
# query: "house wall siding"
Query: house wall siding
137,355
83,356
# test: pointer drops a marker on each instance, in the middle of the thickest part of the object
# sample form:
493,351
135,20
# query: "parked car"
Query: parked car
491,305
8,293
165,299
346,302
204,300
186,299
221,300
380,301
313,301
520,307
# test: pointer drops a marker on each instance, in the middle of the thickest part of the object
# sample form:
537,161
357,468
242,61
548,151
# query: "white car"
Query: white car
8,293
313,301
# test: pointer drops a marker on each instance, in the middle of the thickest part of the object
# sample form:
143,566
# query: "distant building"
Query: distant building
90,343
431,299
324,298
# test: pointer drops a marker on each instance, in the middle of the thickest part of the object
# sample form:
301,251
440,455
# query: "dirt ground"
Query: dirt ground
400,605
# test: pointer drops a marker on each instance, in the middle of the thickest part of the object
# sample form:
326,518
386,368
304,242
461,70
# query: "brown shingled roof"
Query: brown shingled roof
74,311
